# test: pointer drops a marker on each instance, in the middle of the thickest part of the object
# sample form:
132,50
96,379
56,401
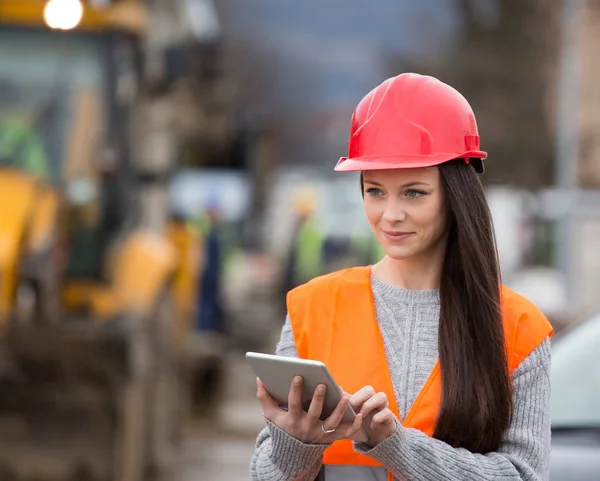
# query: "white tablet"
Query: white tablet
277,373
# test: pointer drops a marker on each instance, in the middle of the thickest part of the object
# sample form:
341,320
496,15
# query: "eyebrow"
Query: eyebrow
410,184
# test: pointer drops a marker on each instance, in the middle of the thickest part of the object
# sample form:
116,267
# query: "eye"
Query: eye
414,193
374,192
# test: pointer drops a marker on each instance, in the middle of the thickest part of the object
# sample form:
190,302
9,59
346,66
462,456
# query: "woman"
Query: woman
448,371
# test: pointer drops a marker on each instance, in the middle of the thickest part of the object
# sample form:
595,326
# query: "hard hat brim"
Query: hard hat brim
391,162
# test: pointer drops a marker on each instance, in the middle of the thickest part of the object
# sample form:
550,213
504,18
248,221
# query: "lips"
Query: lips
396,236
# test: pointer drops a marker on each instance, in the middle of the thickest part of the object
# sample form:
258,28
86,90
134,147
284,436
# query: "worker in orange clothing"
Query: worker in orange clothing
446,369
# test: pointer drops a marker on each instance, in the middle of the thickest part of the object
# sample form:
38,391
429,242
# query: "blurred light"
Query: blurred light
63,14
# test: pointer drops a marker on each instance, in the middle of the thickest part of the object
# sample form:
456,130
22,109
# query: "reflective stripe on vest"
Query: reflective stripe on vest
333,319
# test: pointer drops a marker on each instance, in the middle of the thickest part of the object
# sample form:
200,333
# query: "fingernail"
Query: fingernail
298,380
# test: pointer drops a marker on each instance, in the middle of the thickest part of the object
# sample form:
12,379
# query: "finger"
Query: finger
354,427
263,395
375,403
267,403
381,418
295,396
316,404
358,398
336,416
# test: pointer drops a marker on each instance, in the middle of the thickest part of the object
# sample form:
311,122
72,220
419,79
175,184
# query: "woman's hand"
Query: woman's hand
380,422
306,426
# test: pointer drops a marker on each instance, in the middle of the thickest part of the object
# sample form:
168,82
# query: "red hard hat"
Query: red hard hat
411,121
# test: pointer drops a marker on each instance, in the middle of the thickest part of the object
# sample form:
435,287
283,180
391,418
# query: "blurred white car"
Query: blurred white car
576,403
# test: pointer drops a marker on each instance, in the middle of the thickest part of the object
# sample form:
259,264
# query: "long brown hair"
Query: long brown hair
476,405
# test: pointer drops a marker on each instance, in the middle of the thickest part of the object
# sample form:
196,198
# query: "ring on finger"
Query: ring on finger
325,430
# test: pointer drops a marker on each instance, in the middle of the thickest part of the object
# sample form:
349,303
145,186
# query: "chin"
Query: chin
398,253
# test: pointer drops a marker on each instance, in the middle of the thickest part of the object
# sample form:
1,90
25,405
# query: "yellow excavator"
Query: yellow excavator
96,287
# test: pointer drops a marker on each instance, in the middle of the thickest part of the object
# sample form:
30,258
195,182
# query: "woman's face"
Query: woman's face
406,210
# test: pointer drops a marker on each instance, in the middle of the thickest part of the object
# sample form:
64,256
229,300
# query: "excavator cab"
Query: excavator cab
60,105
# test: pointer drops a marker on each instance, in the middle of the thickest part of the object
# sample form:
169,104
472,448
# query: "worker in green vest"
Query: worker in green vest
305,256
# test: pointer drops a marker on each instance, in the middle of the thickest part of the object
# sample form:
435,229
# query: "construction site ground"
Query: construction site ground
218,445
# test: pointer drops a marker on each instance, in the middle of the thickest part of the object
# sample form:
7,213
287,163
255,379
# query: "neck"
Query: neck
422,272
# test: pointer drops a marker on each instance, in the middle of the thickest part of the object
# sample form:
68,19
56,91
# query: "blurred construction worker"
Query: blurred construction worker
209,326
305,255
209,317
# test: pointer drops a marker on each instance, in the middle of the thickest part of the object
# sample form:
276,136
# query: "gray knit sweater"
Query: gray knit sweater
408,321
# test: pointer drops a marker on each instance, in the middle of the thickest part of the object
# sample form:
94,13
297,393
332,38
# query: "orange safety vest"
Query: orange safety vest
333,319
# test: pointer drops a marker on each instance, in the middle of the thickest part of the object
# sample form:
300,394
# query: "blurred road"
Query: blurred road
220,448
216,456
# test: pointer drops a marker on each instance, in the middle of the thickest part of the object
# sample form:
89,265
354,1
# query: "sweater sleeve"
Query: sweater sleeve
525,451
279,456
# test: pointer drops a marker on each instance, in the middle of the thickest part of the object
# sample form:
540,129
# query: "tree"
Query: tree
506,68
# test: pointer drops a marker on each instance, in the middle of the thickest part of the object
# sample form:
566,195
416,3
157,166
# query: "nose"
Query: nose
394,211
